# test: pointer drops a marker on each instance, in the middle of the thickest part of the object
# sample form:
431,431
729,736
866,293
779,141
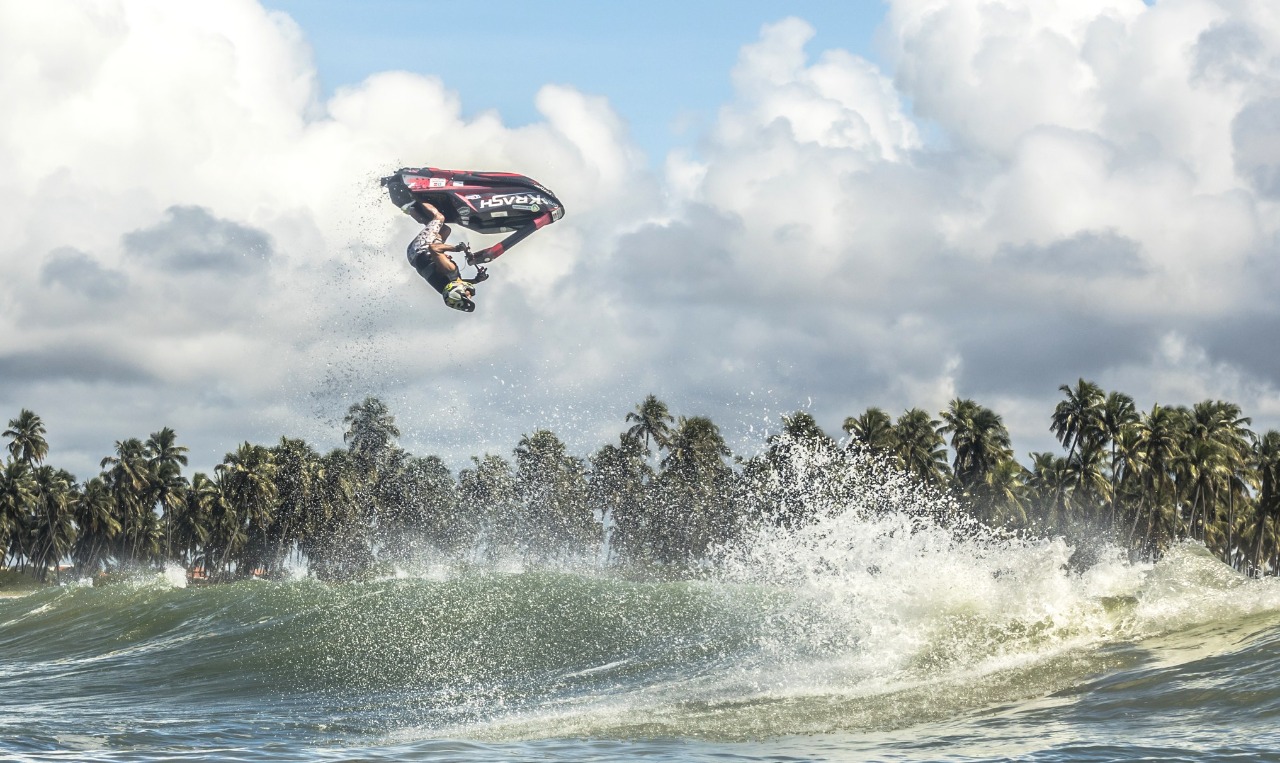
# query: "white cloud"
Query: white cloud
1179,371
1097,177
1080,196
180,152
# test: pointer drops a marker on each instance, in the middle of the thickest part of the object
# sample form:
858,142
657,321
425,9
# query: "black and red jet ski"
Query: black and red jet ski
484,202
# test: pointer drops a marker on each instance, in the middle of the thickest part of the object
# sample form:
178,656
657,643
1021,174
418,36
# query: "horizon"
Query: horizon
758,437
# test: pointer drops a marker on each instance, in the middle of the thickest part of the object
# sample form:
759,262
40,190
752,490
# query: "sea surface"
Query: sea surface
858,639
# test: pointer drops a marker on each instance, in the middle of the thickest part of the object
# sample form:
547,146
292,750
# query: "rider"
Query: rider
428,254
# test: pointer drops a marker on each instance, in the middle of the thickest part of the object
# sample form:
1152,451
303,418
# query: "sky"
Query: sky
662,64
771,207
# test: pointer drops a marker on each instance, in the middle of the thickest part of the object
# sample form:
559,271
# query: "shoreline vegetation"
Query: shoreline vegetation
667,494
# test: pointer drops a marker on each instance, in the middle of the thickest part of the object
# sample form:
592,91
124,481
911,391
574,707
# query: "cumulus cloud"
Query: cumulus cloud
81,274
177,160
1031,192
1094,177
1256,153
191,240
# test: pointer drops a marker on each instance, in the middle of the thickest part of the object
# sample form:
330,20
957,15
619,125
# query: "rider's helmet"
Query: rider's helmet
458,296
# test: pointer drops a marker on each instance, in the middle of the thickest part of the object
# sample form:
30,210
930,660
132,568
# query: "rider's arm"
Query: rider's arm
440,247
444,263
431,210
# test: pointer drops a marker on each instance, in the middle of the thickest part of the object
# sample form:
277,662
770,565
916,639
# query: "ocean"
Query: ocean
859,638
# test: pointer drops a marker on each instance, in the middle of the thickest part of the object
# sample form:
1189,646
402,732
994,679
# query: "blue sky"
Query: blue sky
664,65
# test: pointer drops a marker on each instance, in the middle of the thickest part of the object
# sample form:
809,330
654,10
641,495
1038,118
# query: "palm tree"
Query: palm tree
1079,417
1223,425
694,489
1050,486
552,489
1129,495
1212,470
873,430
785,487
652,421
1002,494
1119,415
427,504
146,538
371,432
333,537
227,536
192,522
53,531
97,526
165,459
1159,435
17,495
1242,486
920,446
1200,473
619,483
978,439
128,478
1091,490
163,450
487,495
1266,460
247,479
297,478
27,443
802,427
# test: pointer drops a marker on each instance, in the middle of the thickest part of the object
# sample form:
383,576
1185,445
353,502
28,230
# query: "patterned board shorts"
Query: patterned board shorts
428,264
420,247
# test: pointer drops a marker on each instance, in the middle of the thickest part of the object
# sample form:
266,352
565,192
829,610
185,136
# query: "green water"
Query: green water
980,651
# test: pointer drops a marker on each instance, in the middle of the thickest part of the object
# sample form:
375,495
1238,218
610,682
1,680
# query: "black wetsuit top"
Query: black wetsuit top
426,268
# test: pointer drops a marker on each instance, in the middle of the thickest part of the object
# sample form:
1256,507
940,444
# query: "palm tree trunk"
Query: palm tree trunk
1231,525
1137,516
1115,488
1257,548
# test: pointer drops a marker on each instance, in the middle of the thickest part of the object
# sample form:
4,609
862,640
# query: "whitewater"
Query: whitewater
884,629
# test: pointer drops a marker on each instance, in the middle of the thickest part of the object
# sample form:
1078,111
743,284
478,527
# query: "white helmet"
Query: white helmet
458,296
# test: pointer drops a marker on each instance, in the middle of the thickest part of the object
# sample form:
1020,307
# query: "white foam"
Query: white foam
174,575
892,585
891,608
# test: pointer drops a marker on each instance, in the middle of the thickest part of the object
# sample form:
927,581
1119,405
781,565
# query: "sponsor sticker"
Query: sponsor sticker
511,199
436,183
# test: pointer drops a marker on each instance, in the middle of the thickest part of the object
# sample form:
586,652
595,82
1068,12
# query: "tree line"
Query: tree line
666,494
